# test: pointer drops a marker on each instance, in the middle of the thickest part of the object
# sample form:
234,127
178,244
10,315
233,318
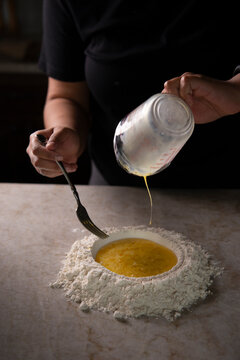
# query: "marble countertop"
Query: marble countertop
38,225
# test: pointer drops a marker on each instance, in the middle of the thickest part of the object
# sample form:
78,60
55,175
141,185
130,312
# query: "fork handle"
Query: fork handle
73,188
43,141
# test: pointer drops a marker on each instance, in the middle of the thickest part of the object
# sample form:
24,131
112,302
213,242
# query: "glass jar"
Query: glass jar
147,139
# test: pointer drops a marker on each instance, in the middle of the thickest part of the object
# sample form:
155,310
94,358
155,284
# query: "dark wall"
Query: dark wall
22,94
28,14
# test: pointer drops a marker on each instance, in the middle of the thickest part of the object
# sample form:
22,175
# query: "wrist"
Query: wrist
61,113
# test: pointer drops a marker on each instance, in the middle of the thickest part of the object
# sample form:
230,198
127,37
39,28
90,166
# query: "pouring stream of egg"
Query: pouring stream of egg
150,198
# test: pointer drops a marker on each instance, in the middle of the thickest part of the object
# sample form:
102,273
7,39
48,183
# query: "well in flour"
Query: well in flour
87,282
135,257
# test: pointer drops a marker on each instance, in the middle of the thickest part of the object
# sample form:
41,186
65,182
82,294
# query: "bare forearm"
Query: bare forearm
67,125
61,112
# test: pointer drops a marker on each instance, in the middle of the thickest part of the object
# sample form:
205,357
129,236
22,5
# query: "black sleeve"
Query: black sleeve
62,55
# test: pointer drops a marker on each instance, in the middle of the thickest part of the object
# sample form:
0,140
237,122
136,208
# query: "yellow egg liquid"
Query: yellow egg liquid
136,257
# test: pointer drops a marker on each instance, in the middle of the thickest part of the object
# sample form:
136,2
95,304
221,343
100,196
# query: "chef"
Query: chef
104,58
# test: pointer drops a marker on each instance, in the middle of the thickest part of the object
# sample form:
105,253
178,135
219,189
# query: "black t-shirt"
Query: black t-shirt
125,51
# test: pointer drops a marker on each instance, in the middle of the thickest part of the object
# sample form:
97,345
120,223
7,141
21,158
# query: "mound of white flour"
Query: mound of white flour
95,287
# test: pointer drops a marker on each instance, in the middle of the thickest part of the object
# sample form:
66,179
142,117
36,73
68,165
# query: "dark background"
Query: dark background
22,92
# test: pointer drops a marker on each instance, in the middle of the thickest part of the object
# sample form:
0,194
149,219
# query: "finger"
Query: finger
70,168
46,132
51,169
55,139
49,174
44,164
172,86
186,90
40,151
50,165
188,83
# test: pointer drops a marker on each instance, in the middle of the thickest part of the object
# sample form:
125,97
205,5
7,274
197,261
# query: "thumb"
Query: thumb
186,88
54,139
46,132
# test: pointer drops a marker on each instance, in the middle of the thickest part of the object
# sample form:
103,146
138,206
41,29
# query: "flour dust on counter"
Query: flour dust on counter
94,287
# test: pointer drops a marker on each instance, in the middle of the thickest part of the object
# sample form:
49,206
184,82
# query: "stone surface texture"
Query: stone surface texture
38,225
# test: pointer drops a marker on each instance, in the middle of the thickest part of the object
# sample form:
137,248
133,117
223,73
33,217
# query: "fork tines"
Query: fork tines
87,222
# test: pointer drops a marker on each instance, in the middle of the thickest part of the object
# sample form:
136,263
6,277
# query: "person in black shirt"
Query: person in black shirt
104,58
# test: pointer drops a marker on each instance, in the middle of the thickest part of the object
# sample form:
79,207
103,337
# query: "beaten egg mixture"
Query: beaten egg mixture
136,257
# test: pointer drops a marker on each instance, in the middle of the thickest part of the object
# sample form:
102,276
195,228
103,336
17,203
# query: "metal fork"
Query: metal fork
81,211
